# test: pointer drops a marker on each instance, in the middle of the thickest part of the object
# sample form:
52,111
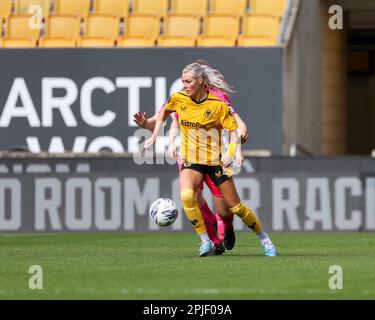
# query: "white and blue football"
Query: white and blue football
163,211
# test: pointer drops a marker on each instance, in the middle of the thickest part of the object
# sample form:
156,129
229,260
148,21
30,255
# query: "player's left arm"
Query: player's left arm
228,158
242,128
229,123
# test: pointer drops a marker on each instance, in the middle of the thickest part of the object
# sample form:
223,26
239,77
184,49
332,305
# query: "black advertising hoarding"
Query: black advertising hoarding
114,194
82,100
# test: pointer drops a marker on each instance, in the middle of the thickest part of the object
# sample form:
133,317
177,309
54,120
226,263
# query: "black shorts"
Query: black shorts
216,173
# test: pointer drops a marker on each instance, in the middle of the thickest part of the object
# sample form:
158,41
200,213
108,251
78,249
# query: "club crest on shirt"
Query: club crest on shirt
183,108
207,113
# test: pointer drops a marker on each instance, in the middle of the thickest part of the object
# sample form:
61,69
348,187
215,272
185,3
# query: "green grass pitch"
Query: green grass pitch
167,266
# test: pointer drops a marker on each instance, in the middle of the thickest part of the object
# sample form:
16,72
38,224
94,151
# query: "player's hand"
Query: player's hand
149,142
226,161
140,119
172,151
243,136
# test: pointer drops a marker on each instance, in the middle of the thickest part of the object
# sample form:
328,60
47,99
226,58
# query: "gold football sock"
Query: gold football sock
247,216
192,211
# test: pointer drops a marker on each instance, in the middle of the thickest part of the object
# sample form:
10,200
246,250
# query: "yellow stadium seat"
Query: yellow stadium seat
100,25
5,9
261,25
216,41
79,8
268,7
182,25
193,7
96,42
154,7
19,42
118,8
167,41
135,42
255,41
18,26
57,42
142,26
232,7
221,25
64,25
23,6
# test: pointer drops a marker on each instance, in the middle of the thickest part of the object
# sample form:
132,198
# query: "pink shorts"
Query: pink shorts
206,178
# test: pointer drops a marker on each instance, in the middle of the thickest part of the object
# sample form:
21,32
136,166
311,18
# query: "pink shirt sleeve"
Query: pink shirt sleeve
223,97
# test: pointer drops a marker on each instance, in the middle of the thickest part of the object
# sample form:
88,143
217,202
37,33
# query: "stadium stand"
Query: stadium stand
95,42
232,7
158,8
19,42
23,6
216,41
79,8
254,41
100,25
270,7
142,26
190,7
144,23
118,8
5,9
182,26
221,25
135,42
57,42
261,25
167,41
17,26
65,25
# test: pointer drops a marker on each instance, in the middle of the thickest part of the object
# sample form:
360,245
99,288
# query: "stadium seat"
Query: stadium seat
19,42
268,7
22,6
191,7
168,41
231,7
18,26
100,25
142,26
216,41
64,25
182,26
79,8
57,42
261,25
5,9
255,41
221,25
118,8
155,7
135,42
95,42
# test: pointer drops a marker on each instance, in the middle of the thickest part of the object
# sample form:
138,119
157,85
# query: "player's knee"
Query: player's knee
188,198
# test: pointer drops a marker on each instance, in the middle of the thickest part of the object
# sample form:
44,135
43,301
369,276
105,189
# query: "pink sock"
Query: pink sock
220,227
209,220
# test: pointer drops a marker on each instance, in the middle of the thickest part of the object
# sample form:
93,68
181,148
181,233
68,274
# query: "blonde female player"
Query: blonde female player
202,117
213,222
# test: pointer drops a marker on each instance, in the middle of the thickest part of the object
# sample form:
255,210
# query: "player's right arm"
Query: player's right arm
169,107
163,114
173,131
